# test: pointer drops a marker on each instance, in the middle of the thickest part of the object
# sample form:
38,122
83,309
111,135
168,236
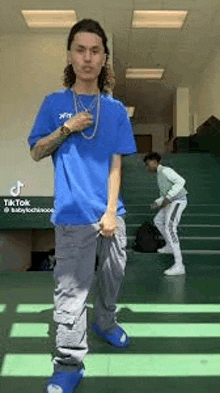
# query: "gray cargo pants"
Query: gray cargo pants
76,251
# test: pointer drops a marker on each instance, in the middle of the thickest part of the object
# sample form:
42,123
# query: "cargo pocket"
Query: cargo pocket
64,317
65,329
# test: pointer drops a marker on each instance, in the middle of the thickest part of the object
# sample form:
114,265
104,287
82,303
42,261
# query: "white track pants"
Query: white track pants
167,220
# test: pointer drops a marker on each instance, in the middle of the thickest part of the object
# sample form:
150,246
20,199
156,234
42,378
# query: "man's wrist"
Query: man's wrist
65,130
111,211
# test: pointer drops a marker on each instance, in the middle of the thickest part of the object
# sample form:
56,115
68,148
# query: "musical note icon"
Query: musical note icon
16,191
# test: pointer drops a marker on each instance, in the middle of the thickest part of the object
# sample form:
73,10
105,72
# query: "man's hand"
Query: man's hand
165,202
154,206
79,122
108,225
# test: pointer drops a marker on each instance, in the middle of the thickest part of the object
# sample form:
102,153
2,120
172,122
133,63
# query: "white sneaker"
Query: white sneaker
175,270
165,250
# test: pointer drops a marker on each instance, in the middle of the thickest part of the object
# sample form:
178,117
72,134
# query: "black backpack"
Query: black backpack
148,238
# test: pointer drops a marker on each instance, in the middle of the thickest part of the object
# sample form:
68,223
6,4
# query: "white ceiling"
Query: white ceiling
183,53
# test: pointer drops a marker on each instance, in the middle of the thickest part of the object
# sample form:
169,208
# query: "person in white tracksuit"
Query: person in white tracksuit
172,203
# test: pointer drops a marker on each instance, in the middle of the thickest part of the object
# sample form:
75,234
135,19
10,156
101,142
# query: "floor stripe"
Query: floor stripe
29,330
138,307
27,365
133,329
118,365
33,308
172,329
2,308
168,308
163,365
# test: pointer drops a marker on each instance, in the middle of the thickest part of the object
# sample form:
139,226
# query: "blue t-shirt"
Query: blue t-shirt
82,166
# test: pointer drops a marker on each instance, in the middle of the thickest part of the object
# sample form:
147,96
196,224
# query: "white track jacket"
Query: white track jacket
171,185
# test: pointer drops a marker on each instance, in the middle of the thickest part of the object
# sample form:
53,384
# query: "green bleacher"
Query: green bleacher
199,229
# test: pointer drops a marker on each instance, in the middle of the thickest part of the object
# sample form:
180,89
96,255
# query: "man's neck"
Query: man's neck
83,87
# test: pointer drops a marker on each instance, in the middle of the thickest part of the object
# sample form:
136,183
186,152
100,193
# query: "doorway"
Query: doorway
144,143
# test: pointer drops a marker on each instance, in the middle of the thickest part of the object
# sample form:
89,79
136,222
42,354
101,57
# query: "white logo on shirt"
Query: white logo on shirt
65,115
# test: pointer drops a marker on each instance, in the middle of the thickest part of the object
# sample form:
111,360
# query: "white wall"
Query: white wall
175,116
182,111
159,134
205,93
31,66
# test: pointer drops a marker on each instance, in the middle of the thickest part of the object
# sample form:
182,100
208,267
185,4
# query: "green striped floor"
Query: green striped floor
174,322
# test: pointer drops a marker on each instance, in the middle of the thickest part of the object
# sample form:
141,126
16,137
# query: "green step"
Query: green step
185,231
201,244
206,231
138,219
191,208
158,261
199,228
190,244
148,197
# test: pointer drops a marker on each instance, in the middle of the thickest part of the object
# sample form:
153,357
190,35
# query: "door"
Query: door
144,143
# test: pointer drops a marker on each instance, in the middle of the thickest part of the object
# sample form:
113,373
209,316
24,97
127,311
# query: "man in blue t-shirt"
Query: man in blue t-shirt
86,132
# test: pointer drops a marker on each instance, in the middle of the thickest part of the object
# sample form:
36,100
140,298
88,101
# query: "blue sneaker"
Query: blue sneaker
64,381
118,338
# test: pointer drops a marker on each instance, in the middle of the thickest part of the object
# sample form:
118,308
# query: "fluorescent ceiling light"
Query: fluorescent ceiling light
159,19
130,110
49,18
144,73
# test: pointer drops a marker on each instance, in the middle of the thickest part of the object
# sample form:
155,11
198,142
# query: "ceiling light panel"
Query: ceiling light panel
144,73
49,18
159,19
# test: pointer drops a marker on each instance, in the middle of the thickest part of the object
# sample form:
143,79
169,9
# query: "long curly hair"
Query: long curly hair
88,26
